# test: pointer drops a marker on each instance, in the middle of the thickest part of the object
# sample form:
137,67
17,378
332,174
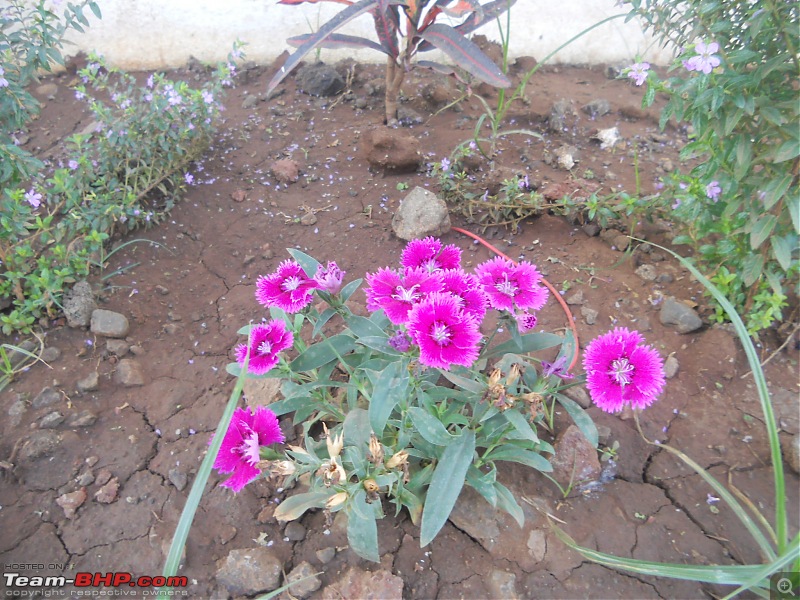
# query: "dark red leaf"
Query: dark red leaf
336,40
387,22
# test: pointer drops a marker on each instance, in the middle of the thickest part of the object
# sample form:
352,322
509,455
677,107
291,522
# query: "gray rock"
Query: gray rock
306,580
250,101
589,315
129,373
15,412
109,324
646,272
476,517
48,90
501,584
578,393
40,443
325,555
89,383
51,420
421,213
47,397
84,418
561,115
791,452
294,531
319,80
261,392
357,583
178,478
85,478
575,460
407,116
537,544
249,571
597,108
575,299
670,367
682,317
51,354
591,229
117,347
79,305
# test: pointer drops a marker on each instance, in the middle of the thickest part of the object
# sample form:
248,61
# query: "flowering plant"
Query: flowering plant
412,401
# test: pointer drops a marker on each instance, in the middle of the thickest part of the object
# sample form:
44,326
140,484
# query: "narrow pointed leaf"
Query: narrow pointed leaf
446,484
322,353
429,427
515,454
294,506
337,40
491,10
308,263
506,501
387,22
362,529
465,54
531,342
582,420
390,388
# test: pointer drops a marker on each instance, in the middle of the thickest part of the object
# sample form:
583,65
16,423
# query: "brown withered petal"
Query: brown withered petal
494,378
371,486
336,500
375,450
398,459
513,375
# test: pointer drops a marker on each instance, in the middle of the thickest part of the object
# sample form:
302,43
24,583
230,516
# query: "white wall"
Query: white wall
152,34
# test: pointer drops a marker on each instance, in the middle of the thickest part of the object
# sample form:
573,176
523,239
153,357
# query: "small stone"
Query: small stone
303,580
250,102
71,502
249,571
48,90
357,583
621,243
85,418
502,584
537,544
421,213
51,354
589,315
665,278
597,108
178,478
16,357
16,411
308,219
51,420
579,395
591,229
108,323
226,534
129,373
249,260
326,555
92,461
85,478
39,443
108,493
162,290
646,272
575,299
137,350
90,383
294,531
670,367
677,314
575,460
319,80
791,451
265,514
103,475
239,195
170,328
285,171
360,102
47,397
117,347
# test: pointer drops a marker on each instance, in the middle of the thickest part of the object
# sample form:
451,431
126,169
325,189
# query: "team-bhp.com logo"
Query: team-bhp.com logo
18,585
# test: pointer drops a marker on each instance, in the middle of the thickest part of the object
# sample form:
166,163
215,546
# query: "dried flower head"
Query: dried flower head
397,460
375,450
334,443
336,500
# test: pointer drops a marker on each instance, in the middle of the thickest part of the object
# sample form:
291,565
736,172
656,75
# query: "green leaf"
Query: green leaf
775,190
506,501
390,388
309,263
531,342
363,327
323,352
349,289
362,528
469,385
356,428
782,248
294,506
580,417
379,343
522,456
483,483
326,316
521,424
429,427
761,230
787,151
752,266
446,484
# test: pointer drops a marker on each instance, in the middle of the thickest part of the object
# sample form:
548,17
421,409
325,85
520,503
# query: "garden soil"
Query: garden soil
99,485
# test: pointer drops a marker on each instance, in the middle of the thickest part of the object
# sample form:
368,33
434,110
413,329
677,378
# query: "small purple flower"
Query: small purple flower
240,450
329,279
429,254
676,204
445,334
713,191
289,288
400,341
524,183
510,285
3,80
33,198
266,342
638,72
150,81
445,164
558,368
620,369
208,97
705,61
188,178
72,164
397,294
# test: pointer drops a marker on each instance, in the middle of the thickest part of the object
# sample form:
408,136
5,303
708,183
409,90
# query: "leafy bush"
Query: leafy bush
129,172
735,82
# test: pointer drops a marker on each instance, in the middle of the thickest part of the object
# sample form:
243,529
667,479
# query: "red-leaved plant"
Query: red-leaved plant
422,33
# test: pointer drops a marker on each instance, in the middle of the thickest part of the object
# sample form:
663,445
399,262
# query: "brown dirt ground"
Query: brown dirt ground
220,240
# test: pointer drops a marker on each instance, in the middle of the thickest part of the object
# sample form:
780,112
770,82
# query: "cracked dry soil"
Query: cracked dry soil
185,301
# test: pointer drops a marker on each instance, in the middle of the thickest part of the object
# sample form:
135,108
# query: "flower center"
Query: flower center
621,370
441,334
291,284
506,287
406,295
264,348
248,449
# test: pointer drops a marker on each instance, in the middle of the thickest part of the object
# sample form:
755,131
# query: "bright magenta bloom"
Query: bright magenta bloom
266,342
445,333
396,295
468,290
239,453
289,288
510,285
620,370
429,254
329,279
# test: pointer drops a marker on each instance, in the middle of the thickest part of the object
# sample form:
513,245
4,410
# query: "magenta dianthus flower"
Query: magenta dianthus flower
510,285
266,342
445,333
620,369
289,288
329,279
239,452
397,294
468,290
430,255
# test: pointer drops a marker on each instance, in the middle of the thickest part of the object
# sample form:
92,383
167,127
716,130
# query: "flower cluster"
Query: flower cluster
441,306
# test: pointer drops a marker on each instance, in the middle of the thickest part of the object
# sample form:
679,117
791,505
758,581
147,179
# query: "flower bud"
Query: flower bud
336,500
334,443
375,450
397,460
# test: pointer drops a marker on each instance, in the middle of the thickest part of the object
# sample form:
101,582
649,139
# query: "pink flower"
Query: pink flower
713,191
289,288
705,61
445,333
396,295
468,290
620,370
638,72
429,254
510,285
525,321
239,453
329,279
266,342
33,198
558,368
